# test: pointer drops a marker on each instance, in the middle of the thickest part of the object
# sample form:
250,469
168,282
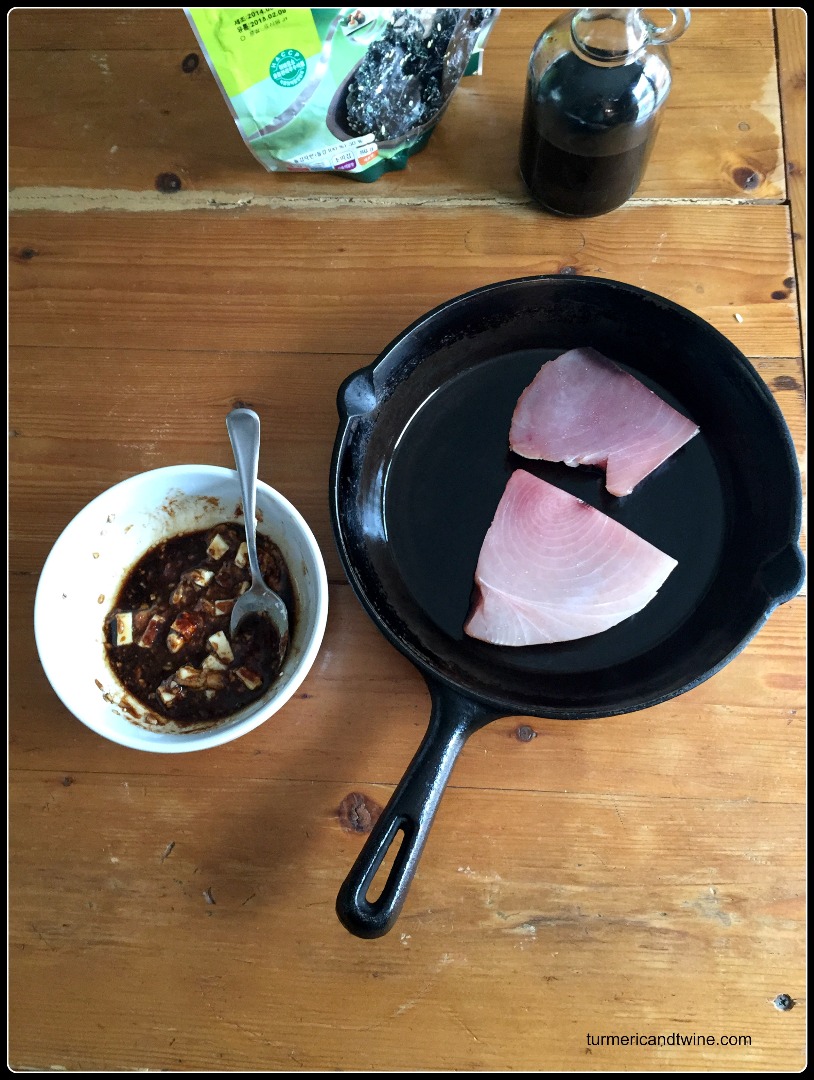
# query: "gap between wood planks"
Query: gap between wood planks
80,200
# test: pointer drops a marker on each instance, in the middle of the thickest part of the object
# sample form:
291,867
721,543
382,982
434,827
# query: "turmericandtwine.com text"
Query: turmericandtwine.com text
675,1038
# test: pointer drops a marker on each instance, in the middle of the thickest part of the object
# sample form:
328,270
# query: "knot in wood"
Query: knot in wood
746,178
357,813
168,182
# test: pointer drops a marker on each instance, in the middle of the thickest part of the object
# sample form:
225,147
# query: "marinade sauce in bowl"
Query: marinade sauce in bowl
167,635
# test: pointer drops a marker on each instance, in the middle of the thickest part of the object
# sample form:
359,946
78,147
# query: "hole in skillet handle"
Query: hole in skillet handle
376,887
370,918
409,814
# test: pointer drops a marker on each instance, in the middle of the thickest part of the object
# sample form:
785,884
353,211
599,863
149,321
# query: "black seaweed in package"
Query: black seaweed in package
351,90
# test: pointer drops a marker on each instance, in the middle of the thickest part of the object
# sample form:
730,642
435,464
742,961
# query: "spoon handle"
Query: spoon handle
243,426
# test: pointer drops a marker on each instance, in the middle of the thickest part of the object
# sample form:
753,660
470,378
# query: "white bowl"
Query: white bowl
89,562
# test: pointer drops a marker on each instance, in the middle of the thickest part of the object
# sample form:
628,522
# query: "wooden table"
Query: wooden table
632,875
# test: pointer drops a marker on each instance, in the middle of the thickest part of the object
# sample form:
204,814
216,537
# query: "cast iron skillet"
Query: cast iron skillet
421,460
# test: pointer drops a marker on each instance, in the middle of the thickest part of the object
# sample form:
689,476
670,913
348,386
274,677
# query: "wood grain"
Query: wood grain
363,710
639,874
281,279
73,439
128,111
590,902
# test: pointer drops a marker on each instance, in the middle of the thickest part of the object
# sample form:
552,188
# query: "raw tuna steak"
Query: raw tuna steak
552,568
584,410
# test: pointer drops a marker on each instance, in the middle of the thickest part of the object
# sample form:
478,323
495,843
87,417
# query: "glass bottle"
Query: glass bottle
597,81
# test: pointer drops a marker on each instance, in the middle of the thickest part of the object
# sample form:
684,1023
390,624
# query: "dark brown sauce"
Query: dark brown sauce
167,635
587,135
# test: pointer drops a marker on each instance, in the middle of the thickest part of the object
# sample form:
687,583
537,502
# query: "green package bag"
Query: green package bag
350,90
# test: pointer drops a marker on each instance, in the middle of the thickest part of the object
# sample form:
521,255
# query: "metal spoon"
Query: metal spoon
243,426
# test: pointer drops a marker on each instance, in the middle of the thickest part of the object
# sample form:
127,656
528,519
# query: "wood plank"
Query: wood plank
70,440
69,29
57,430
128,112
148,29
295,279
362,711
791,39
571,908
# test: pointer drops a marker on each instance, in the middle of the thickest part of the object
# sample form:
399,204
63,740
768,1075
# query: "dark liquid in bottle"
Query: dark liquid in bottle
587,135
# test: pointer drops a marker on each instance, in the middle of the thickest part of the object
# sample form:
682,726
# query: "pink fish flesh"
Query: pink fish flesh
552,568
585,410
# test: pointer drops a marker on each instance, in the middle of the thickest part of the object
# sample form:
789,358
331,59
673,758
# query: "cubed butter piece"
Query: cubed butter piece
219,644
124,628
248,677
218,547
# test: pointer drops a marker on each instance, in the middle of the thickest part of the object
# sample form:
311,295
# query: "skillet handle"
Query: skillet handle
410,811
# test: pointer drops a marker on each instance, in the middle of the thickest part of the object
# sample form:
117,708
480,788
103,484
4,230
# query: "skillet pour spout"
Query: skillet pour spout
421,460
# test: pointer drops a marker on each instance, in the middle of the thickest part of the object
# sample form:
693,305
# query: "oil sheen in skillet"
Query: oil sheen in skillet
446,479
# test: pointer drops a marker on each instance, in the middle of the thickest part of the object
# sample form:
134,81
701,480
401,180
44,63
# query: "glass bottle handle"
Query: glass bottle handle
663,35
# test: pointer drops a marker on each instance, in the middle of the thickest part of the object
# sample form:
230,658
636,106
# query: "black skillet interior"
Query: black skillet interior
424,460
